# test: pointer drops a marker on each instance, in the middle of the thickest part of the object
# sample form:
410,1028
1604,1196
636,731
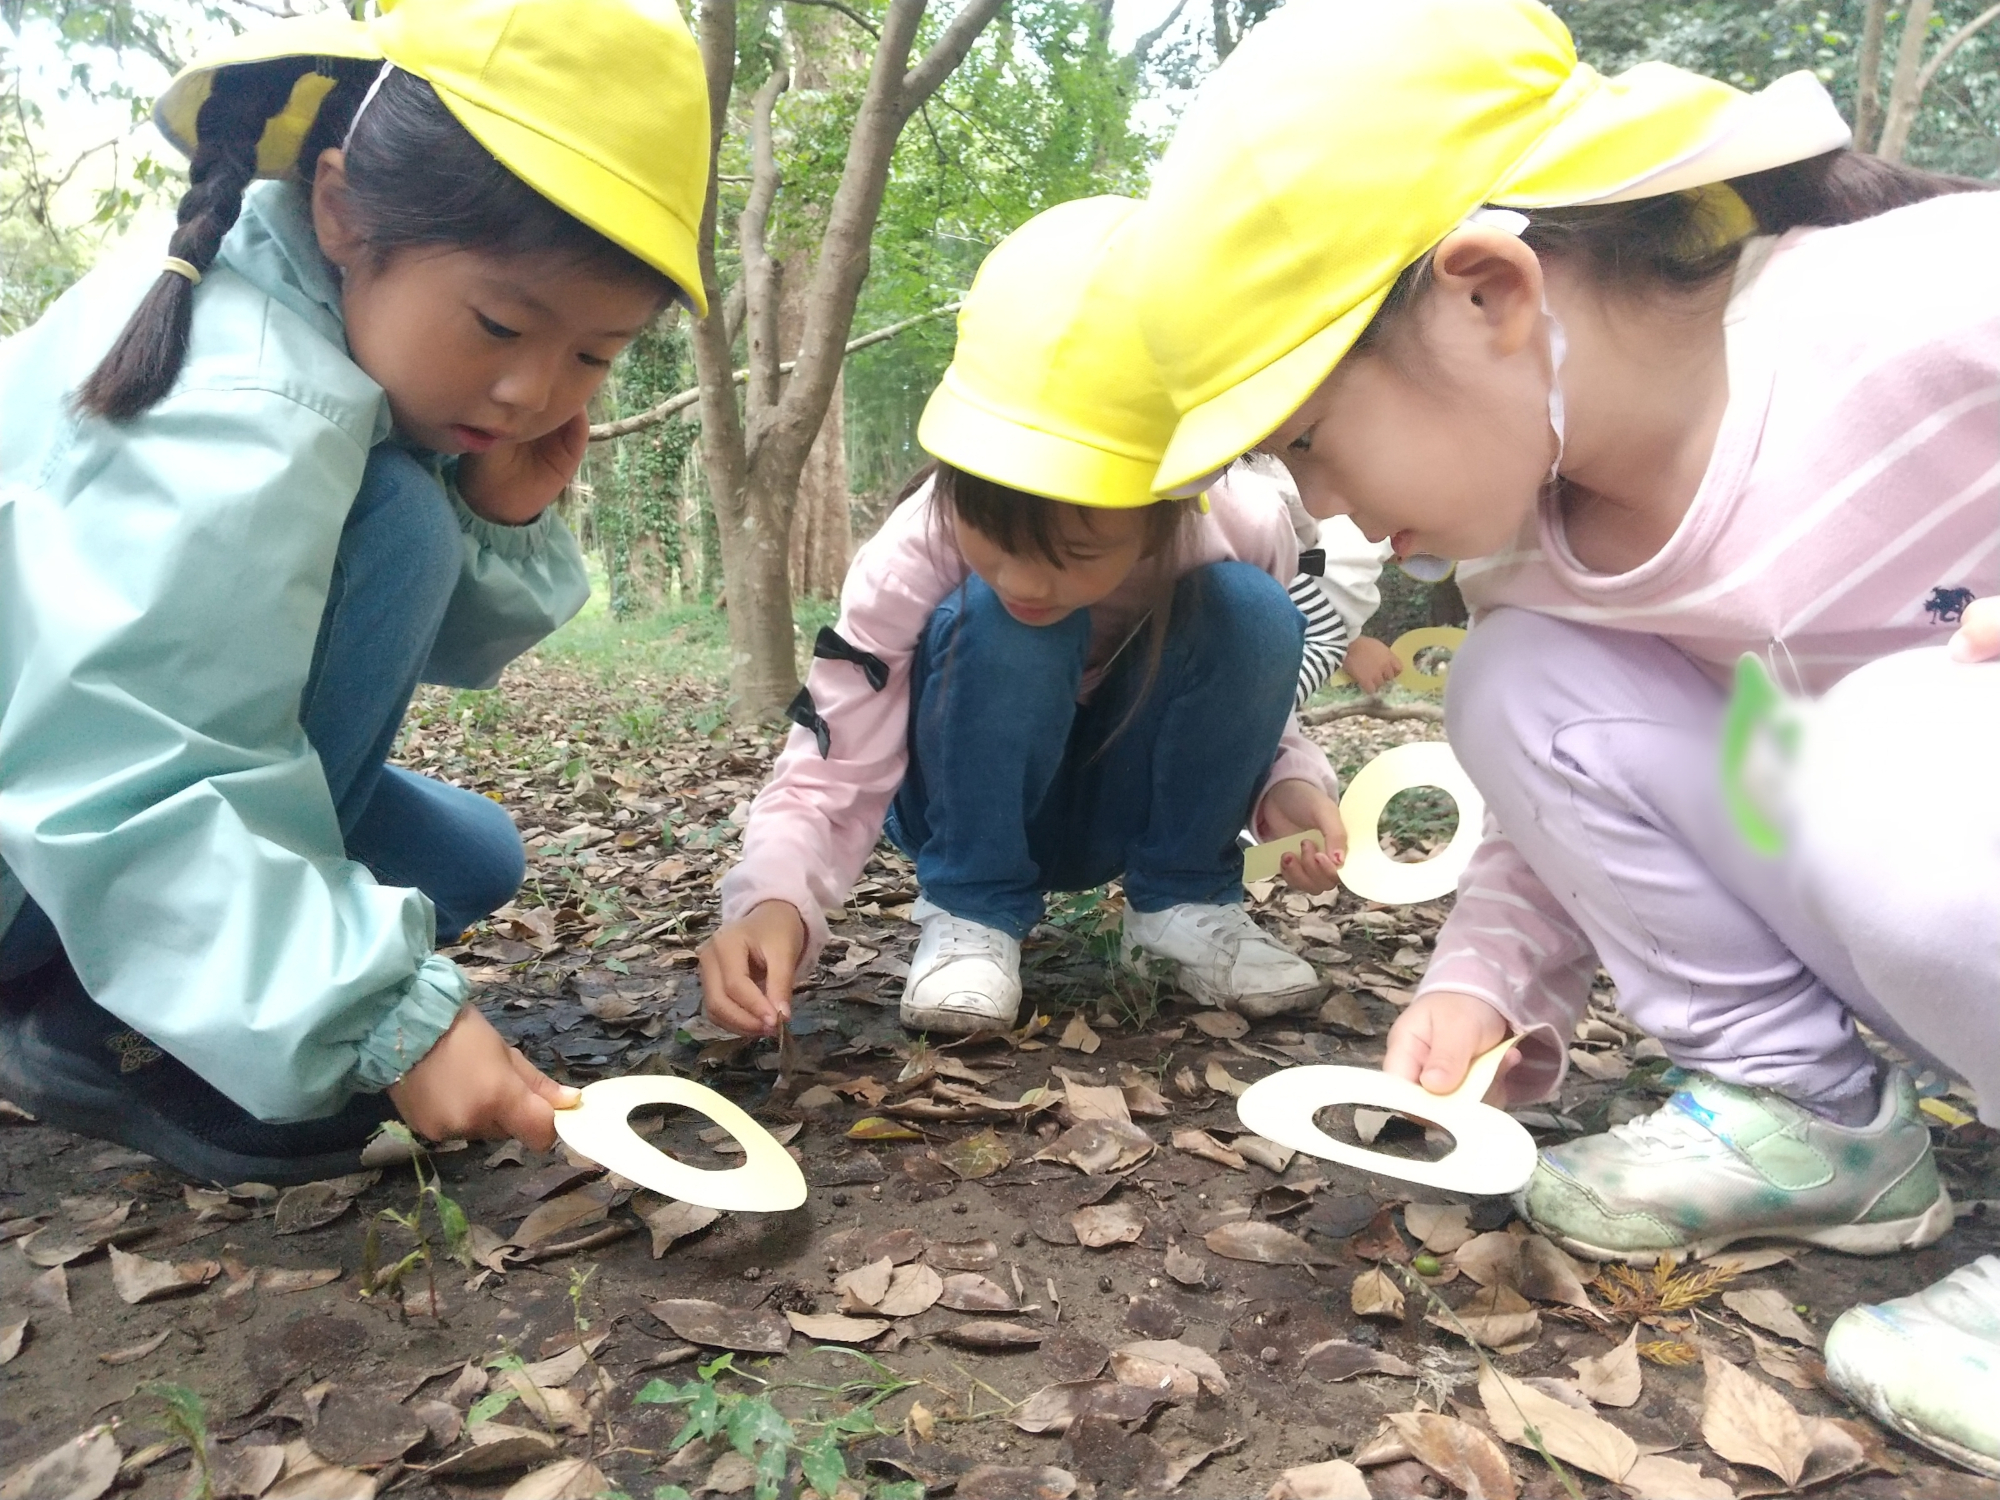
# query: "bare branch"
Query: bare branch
761,273
1372,708
1952,43
853,15
1225,40
680,402
1143,48
733,308
947,52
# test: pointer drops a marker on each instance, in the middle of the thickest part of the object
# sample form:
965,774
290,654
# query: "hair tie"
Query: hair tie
367,99
179,267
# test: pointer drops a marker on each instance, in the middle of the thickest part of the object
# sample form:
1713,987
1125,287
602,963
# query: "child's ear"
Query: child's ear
335,223
1491,277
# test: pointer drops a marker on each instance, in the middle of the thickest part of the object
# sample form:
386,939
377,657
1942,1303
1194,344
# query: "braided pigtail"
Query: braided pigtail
146,359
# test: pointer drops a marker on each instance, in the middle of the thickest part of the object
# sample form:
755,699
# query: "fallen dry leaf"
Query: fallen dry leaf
357,1429
1492,1259
134,1352
1267,1154
81,1469
1655,1477
1267,1243
834,1328
1612,1378
1376,1295
1160,1378
570,1479
750,1330
50,1290
1208,1148
1746,1422
138,1279
1458,1453
1098,1147
1016,1482
83,1230
876,1128
574,1210
912,1289
1190,1357
981,1155
1188,1270
498,1448
283,1282
968,1291
1078,1037
1496,1316
311,1205
1771,1311
11,1335
1054,1408
1222,1080
1220,1024
1440,1227
963,1255
865,1286
1548,1275
1103,1224
673,1221
1338,1359
991,1333
1580,1438
1336,1479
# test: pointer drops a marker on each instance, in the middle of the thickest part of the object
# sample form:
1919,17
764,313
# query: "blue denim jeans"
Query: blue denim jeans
398,564
1015,789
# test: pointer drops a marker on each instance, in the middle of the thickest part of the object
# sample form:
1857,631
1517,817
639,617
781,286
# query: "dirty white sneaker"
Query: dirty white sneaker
1224,959
964,976
1928,1364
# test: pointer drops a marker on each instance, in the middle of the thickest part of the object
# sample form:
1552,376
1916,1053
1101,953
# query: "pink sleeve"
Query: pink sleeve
1509,942
816,821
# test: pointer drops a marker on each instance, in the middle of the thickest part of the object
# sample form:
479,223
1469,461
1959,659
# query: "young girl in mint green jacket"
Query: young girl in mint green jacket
248,500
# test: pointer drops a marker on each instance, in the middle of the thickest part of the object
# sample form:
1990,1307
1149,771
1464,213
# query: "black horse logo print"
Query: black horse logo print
1947,606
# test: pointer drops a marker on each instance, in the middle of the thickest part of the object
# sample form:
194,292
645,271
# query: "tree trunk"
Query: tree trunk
1868,76
762,670
1904,89
822,534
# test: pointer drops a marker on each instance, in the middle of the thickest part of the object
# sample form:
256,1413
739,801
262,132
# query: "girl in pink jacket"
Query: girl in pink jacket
1043,679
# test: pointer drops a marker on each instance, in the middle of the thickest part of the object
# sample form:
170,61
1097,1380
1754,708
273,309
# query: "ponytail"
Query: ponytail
1841,187
143,364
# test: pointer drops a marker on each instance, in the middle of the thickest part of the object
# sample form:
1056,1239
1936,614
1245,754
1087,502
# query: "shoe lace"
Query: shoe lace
961,937
1230,926
1667,1131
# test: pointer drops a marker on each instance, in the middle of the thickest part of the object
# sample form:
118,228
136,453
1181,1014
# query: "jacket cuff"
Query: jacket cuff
516,543
428,1006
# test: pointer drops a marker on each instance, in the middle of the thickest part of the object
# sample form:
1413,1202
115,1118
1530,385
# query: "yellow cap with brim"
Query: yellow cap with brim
600,106
1345,138
1051,390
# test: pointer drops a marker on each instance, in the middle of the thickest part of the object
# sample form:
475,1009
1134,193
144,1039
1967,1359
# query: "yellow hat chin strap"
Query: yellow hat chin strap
381,77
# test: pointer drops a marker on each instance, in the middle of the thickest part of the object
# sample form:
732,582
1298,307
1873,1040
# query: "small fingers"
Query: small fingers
559,1095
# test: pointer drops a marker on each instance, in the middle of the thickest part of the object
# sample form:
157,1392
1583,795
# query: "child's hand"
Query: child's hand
1372,665
1434,1042
748,966
515,482
473,1085
1294,806
1978,637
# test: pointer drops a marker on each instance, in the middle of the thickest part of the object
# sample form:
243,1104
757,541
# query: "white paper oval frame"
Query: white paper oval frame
1492,1152
1425,638
1370,873
769,1181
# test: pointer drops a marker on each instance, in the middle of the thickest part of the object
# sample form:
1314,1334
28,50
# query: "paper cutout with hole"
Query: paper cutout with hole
1370,873
1492,1152
1264,861
1425,638
769,1181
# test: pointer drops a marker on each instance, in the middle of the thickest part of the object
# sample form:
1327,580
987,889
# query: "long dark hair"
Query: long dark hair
415,177
1680,241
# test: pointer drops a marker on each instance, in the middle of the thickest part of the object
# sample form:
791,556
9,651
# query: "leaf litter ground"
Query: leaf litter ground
1061,1265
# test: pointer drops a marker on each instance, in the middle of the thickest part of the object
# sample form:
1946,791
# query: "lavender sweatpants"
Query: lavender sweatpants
1597,752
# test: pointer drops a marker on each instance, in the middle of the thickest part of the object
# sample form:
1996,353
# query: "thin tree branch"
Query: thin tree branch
1951,44
1372,708
853,15
761,273
1868,76
947,52
1142,48
1225,43
721,424
1902,110
680,402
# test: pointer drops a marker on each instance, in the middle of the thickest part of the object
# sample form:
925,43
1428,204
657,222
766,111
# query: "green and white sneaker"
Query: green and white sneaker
1928,1365
1719,1163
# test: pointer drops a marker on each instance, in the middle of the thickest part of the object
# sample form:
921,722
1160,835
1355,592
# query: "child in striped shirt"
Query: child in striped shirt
1693,382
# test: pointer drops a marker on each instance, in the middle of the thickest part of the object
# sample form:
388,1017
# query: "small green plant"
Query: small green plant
431,1204
184,1415
760,1432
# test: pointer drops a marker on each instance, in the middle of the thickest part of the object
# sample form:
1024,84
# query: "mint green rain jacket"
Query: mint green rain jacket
161,587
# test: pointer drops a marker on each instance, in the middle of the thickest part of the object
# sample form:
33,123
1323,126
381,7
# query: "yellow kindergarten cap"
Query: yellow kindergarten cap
1051,390
1345,138
601,106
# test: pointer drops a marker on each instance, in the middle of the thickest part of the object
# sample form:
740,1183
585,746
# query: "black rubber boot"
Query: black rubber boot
72,1064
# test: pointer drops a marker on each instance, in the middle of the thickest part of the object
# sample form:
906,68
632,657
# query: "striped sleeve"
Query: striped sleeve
1326,636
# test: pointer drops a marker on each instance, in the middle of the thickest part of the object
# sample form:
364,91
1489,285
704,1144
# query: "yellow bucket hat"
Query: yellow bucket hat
1345,138
601,106
1051,390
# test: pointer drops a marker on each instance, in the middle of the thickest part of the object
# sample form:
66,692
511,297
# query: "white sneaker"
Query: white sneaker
964,976
1224,959
1928,1365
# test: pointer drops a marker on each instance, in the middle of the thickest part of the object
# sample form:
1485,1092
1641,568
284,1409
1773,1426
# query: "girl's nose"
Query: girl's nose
525,385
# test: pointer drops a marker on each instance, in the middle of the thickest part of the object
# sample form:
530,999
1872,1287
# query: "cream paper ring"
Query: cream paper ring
1370,873
1492,1152
599,1127
1406,646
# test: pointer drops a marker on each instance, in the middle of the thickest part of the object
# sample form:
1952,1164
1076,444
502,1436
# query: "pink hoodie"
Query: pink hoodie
816,821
